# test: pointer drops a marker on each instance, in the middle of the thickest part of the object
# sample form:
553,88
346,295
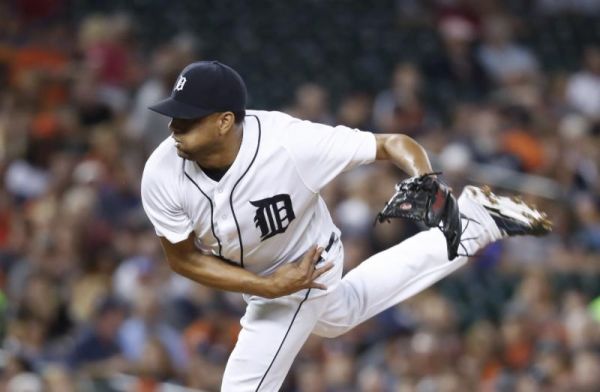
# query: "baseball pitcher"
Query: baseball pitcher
233,195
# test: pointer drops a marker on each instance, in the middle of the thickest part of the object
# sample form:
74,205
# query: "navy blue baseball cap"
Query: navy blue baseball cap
203,88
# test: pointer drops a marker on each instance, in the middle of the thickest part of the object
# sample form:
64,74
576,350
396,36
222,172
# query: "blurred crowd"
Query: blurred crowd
88,302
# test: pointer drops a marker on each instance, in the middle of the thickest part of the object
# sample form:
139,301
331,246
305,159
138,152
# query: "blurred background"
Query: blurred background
499,92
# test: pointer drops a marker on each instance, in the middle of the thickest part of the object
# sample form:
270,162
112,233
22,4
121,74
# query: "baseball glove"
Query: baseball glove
426,199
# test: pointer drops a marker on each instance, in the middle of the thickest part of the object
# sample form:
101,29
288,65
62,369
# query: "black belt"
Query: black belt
332,240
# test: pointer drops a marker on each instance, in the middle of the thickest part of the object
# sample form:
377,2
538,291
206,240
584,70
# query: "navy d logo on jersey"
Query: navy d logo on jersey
273,215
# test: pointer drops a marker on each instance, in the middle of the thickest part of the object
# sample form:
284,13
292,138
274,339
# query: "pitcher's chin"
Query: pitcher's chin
182,154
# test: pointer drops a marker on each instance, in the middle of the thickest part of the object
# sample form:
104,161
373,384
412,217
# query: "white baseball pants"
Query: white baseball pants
274,330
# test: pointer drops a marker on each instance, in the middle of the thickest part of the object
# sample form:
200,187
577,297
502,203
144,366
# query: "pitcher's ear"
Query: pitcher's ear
225,122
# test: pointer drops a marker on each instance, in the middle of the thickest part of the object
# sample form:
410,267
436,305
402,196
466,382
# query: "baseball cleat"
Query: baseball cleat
512,215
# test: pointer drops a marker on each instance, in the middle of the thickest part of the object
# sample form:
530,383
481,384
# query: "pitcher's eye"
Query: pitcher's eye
181,126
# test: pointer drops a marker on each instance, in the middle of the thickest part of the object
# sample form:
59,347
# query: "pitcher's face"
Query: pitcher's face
196,136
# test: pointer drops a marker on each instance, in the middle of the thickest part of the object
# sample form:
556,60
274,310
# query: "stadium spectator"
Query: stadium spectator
583,88
96,352
504,60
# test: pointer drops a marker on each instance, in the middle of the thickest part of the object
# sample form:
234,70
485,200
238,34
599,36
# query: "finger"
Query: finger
306,266
312,260
320,271
317,256
309,255
316,259
315,285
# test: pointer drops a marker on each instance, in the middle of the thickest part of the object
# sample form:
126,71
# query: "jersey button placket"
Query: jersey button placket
221,214
220,206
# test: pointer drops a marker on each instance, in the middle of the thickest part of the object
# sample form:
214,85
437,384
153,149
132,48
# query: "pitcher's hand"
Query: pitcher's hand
297,275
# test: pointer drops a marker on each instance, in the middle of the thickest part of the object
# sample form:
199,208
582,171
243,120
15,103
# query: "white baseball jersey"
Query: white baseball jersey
266,210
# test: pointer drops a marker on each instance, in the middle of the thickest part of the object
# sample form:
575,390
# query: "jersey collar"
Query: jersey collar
242,161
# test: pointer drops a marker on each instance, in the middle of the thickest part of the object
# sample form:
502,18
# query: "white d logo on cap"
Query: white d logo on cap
180,82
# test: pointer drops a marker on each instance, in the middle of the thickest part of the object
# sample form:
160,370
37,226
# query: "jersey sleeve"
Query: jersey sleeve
163,208
321,152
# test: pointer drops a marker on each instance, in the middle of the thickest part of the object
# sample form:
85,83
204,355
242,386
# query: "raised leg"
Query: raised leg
391,276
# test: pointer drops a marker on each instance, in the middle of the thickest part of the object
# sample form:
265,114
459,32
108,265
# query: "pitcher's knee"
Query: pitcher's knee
327,330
